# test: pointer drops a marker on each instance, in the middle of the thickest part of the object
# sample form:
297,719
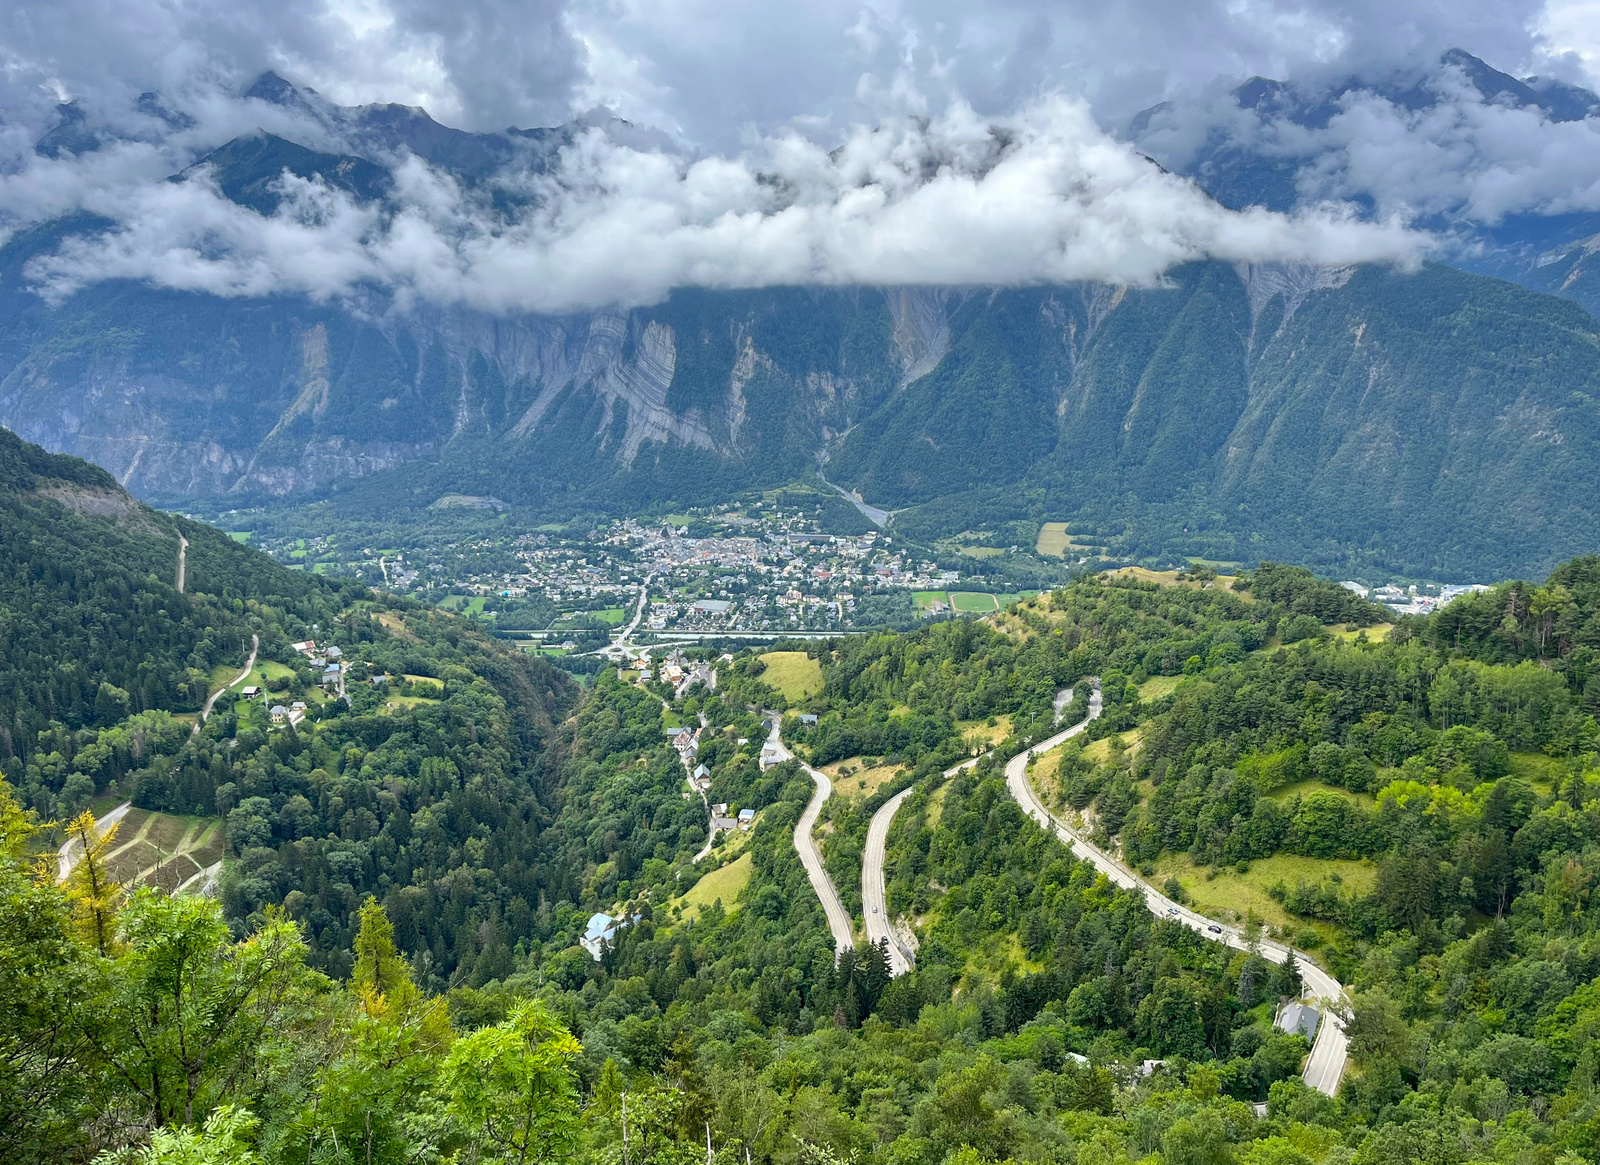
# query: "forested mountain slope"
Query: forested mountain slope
1434,422
104,664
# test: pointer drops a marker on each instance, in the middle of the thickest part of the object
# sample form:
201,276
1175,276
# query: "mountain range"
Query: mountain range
1441,422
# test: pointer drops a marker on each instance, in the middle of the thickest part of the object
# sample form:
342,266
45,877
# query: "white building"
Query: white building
600,933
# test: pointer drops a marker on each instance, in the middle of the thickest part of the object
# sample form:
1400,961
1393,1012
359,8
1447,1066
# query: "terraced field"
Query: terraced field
165,851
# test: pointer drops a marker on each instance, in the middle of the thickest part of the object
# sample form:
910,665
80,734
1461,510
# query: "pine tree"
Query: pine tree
875,976
1290,981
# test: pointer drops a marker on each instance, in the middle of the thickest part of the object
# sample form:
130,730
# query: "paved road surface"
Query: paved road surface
879,518
183,552
67,855
873,903
622,648
255,646
839,922
1326,1063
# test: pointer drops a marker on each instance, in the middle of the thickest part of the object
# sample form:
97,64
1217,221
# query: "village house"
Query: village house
1299,1017
600,933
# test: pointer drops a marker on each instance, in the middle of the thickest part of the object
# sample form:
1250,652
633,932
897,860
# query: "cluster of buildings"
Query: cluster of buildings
1413,600
329,659
764,569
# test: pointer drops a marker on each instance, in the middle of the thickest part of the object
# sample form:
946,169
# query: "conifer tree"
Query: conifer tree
94,893
381,975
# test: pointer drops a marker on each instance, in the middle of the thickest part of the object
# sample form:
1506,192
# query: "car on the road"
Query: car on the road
1172,910
874,909
1214,928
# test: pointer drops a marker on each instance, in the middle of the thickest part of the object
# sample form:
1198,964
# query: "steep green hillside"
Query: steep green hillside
104,665
92,626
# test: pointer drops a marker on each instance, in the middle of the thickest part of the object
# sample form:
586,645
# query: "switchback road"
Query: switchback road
840,923
1325,1066
874,902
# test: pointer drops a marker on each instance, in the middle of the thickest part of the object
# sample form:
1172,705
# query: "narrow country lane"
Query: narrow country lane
839,922
249,666
183,555
1325,1066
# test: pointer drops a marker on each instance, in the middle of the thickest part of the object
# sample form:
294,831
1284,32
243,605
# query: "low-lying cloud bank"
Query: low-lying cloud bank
1043,197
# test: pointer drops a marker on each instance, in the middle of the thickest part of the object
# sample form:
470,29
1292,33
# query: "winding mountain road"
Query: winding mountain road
183,561
1325,1066
840,923
67,855
249,666
874,901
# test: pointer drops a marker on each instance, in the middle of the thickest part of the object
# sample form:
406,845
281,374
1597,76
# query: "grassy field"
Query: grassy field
1100,751
1169,578
263,675
463,604
426,681
408,701
1010,597
973,602
1234,894
223,673
969,602
396,626
242,536
794,673
988,733
612,615
1375,634
1157,686
722,884
1053,540
860,781
163,850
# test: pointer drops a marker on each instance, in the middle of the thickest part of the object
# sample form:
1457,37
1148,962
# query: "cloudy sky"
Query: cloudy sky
828,141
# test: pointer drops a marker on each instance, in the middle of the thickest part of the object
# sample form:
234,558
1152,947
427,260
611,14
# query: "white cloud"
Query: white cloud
1046,197
1458,158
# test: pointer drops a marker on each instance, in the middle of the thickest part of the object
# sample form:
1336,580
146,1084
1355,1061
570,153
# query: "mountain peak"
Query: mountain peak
273,89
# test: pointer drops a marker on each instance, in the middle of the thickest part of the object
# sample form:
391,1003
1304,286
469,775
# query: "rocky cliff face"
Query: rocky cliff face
1449,415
